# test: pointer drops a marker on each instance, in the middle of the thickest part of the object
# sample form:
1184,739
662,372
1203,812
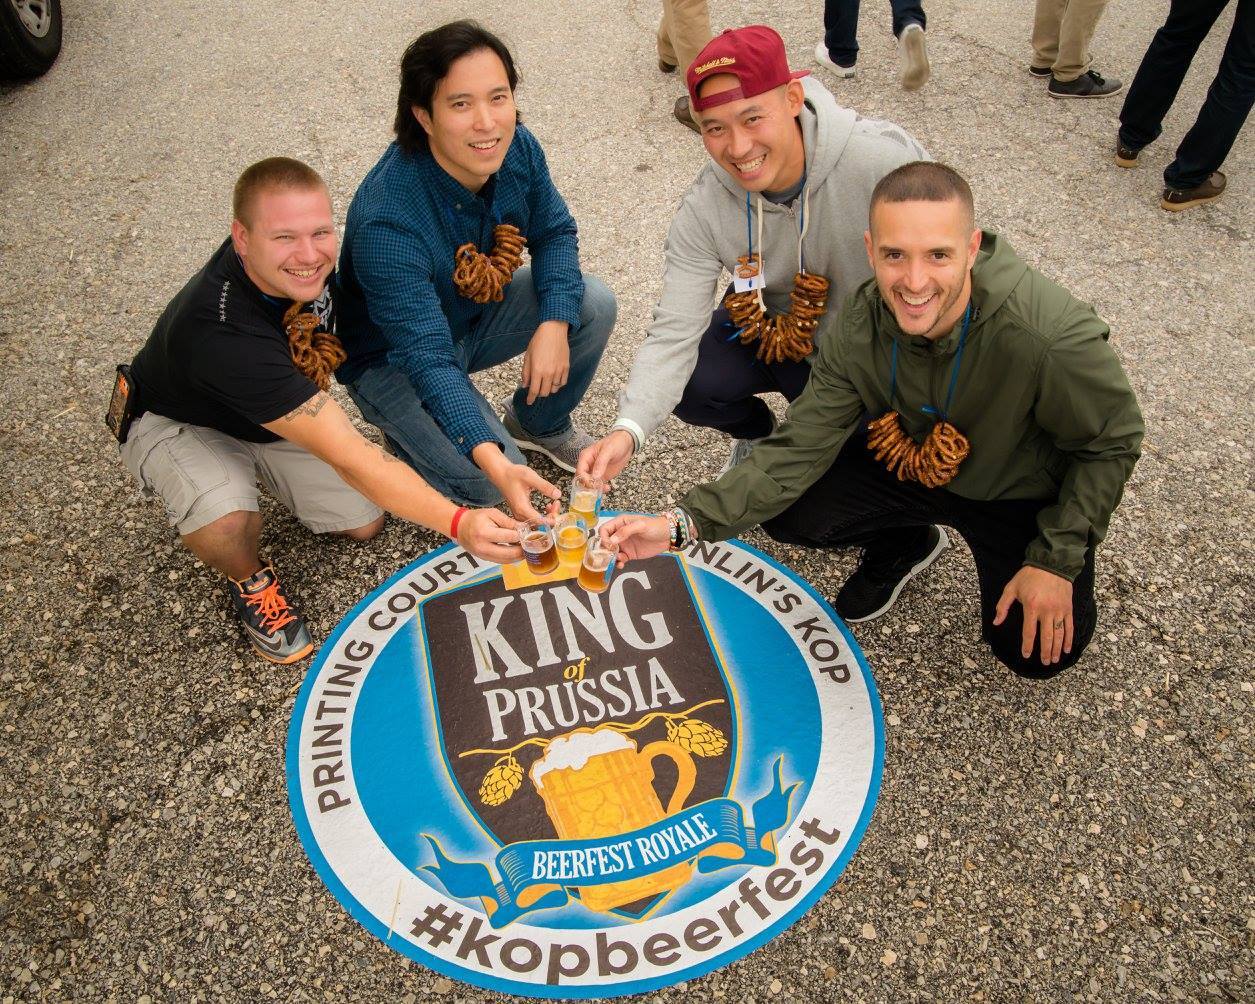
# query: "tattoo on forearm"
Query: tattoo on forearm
310,408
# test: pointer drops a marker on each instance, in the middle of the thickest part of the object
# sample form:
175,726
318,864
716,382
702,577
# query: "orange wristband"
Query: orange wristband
457,518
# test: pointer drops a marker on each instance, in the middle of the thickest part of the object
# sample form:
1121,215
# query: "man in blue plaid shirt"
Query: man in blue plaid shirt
461,165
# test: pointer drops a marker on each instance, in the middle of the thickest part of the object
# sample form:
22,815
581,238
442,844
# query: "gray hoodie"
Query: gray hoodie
845,156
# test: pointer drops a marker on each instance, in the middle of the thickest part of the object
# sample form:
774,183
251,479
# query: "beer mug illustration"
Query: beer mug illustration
596,783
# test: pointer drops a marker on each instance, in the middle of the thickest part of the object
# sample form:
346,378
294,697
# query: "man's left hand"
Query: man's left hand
547,361
1047,602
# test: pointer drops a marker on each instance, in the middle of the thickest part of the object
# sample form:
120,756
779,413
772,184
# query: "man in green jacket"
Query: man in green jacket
959,337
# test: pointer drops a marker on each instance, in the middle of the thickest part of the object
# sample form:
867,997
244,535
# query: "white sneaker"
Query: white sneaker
914,57
824,60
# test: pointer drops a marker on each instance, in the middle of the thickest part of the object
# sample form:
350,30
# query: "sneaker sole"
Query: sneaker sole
1105,94
915,71
1176,207
1125,162
286,660
943,545
529,446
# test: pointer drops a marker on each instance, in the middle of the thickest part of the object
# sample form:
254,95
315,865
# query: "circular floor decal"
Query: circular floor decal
559,793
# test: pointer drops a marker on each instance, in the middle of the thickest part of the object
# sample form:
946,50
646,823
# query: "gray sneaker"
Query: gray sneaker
563,450
741,448
274,629
914,57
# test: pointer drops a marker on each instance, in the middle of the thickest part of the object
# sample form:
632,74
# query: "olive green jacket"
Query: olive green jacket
1040,395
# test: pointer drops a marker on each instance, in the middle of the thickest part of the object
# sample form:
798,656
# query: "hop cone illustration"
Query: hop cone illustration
502,781
698,737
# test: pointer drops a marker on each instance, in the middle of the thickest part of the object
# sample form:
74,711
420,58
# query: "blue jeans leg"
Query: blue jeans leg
505,331
388,400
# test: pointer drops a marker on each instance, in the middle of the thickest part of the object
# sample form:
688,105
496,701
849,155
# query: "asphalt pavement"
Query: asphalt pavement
1086,839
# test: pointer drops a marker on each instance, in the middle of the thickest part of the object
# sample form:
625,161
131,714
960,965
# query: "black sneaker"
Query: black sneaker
275,630
1040,71
1176,199
1091,84
871,591
1126,156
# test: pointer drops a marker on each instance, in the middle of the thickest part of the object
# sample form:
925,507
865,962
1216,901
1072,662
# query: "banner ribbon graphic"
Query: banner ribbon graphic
535,874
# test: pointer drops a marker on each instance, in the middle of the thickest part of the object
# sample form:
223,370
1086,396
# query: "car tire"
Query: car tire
30,37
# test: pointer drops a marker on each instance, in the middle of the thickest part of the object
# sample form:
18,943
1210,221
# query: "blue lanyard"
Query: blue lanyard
954,370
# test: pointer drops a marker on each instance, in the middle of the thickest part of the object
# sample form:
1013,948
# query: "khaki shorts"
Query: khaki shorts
202,475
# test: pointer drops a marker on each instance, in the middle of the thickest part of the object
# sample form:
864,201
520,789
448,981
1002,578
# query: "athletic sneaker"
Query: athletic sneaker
1090,84
826,61
1176,199
741,448
275,630
872,589
913,54
1040,71
563,450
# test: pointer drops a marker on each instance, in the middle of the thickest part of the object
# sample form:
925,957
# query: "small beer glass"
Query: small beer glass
536,537
571,531
586,494
597,566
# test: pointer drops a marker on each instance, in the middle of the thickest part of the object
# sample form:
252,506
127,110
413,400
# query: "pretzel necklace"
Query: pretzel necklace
315,352
483,278
789,335
936,460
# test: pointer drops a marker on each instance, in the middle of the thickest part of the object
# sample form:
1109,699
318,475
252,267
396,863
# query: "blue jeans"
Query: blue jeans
841,25
1158,79
389,401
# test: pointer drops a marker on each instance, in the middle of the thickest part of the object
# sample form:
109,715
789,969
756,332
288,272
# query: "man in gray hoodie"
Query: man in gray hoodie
791,176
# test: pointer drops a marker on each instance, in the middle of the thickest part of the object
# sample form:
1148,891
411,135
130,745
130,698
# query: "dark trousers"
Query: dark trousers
841,25
721,392
1158,79
857,503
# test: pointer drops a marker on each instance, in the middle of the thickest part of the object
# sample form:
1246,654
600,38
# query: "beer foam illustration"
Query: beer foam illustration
576,749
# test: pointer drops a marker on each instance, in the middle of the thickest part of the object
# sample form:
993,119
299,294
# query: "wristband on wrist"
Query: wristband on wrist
682,531
457,518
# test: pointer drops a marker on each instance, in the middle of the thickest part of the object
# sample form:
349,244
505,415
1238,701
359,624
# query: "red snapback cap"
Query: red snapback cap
754,55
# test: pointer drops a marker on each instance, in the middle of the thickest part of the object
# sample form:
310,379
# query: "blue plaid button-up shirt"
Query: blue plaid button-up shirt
397,302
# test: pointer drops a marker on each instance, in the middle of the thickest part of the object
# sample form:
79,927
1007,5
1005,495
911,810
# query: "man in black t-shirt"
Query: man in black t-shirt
225,405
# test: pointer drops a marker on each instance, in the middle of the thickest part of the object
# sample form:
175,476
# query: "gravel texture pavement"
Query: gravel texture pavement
1087,839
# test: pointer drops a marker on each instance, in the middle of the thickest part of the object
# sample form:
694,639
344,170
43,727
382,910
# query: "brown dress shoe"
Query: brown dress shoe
684,116
1176,199
665,66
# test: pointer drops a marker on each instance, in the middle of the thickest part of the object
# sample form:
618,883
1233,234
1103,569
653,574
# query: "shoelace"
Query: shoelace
271,606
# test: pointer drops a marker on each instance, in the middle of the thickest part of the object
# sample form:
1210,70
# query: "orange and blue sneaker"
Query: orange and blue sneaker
274,629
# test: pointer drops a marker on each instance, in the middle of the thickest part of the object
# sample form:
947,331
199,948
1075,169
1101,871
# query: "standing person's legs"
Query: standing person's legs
1047,19
841,31
722,391
998,534
1073,32
1228,103
1163,68
907,12
504,332
683,31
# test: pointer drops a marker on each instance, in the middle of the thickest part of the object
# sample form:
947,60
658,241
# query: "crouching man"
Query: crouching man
997,407
232,390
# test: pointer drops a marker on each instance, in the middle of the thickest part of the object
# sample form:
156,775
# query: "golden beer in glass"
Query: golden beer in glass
597,566
585,499
571,532
595,783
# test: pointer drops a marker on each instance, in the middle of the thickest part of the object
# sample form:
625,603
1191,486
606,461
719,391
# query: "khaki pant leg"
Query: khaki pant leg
1080,18
683,31
1046,21
310,489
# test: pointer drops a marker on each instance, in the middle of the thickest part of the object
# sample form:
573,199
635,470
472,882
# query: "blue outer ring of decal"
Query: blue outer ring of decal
595,990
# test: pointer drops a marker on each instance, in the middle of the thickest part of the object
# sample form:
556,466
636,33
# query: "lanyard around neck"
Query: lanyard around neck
954,370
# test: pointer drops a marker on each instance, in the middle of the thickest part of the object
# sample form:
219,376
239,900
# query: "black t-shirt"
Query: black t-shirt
219,356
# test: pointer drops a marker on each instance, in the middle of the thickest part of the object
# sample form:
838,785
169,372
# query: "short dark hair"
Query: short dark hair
923,181
274,173
426,62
